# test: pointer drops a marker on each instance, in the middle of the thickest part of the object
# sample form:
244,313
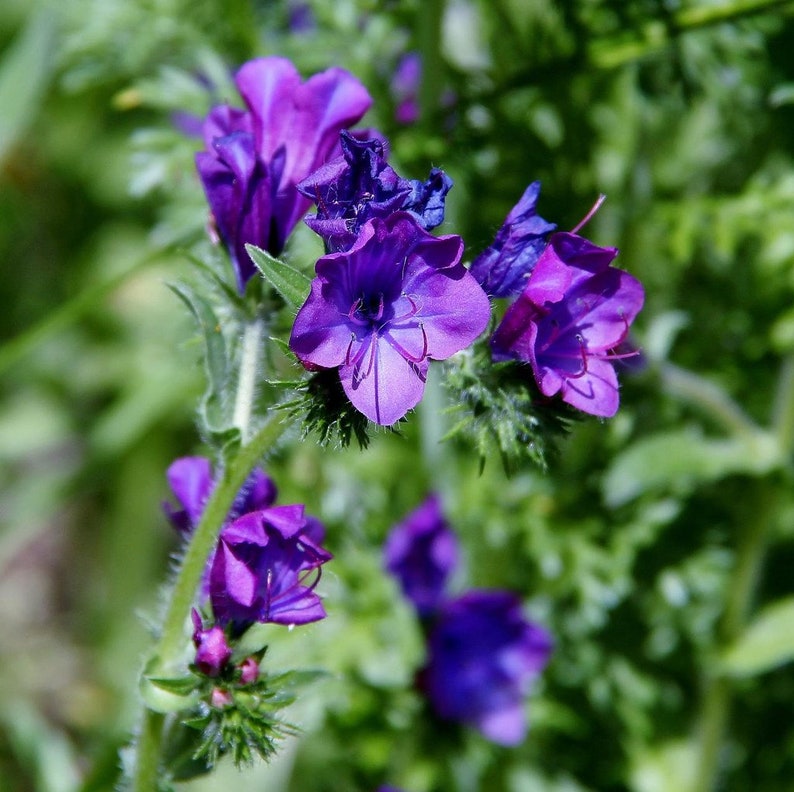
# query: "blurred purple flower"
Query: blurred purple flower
405,87
381,310
572,315
191,481
503,268
254,159
360,185
212,650
421,551
483,656
265,569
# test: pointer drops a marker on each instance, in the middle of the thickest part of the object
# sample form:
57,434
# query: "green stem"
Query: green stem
655,35
783,410
716,705
428,35
147,760
710,398
248,377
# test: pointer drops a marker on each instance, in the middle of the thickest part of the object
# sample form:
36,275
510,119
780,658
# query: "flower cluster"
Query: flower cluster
572,311
573,314
482,653
254,158
266,565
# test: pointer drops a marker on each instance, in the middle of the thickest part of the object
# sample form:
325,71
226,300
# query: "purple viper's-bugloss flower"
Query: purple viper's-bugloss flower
421,551
483,656
573,314
191,480
265,569
351,189
380,311
360,185
254,158
503,268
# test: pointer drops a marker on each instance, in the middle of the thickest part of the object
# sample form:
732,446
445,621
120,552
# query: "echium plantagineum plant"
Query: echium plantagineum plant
388,297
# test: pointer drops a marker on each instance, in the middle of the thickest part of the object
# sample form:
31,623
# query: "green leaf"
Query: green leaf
216,361
293,286
682,459
24,73
767,643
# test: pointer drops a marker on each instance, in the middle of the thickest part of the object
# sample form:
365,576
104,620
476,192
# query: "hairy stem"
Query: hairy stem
250,357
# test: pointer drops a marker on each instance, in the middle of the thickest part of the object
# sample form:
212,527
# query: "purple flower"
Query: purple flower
361,185
351,189
381,310
503,268
482,658
255,158
573,313
265,569
421,551
191,481
405,87
212,650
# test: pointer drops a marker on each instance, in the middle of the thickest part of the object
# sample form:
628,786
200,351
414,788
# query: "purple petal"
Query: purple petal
503,268
190,479
384,385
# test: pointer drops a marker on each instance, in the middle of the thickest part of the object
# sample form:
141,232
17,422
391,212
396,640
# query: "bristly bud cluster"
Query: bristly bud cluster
265,569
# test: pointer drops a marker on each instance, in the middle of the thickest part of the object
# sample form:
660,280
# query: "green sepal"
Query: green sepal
159,698
179,686
293,286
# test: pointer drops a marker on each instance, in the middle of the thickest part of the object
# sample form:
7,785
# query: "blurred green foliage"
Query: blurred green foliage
648,547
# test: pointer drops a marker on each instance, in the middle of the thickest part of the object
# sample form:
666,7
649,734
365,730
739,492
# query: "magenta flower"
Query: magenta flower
483,656
381,310
191,480
212,650
421,551
567,323
503,268
255,158
265,569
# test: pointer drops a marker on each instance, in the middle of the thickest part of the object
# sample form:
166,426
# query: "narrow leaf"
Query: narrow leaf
292,286
217,368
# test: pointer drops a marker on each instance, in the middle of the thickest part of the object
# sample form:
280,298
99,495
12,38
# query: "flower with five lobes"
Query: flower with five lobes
381,310
266,567
573,313
254,158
